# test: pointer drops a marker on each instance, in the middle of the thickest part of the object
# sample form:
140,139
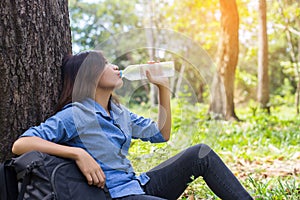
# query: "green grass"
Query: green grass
250,148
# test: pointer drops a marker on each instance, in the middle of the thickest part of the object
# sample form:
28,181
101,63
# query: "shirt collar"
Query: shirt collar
116,110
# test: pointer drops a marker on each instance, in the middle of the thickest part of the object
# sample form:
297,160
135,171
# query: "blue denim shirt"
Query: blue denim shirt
106,137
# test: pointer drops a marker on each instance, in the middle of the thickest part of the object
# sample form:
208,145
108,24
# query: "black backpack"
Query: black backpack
8,181
40,176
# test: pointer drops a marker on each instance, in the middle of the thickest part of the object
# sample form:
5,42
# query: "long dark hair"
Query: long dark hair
80,76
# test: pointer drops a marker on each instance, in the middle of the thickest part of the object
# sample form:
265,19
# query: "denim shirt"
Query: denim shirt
106,137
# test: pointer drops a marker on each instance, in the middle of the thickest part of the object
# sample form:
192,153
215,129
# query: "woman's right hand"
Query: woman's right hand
90,168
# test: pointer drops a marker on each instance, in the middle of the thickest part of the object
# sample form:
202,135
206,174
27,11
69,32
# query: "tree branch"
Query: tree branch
288,28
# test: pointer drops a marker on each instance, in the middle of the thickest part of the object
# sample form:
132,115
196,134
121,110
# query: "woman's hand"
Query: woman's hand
158,81
90,168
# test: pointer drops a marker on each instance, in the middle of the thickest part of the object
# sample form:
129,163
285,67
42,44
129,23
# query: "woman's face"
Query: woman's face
110,77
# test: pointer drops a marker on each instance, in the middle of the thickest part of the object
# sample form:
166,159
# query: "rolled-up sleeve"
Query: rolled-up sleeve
145,129
57,128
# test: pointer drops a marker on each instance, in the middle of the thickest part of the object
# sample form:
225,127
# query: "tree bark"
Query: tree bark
34,36
150,37
222,104
263,95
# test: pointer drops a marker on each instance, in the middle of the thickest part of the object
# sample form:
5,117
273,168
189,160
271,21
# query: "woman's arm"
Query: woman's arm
164,110
87,164
26,144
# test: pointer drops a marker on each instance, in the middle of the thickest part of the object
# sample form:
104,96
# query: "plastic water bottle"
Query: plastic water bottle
157,69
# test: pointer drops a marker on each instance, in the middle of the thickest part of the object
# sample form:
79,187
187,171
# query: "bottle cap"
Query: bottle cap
121,73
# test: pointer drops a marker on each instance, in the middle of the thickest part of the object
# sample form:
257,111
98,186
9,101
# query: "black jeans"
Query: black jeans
169,179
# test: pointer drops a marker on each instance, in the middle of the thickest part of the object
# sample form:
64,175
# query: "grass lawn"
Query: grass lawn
263,151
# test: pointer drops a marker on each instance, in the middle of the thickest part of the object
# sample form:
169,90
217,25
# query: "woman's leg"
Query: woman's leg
170,179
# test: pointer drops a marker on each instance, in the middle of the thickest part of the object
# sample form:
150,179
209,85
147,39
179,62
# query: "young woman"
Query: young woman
92,128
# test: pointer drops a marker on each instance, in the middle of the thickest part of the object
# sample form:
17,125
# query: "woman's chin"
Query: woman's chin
119,84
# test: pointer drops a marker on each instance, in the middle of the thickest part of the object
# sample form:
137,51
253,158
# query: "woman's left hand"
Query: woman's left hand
158,81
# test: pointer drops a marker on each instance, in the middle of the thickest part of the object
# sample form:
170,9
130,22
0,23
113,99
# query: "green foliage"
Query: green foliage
93,22
260,138
96,21
246,86
281,17
283,95
185,16
275,189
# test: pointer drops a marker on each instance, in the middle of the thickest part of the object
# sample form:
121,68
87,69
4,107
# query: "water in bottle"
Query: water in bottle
157,69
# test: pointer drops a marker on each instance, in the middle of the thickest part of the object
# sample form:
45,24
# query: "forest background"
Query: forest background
262,146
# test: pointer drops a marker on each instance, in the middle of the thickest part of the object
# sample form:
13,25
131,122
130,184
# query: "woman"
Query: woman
94,130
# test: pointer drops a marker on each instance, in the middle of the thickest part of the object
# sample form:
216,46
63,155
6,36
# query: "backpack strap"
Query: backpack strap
26,181
27,177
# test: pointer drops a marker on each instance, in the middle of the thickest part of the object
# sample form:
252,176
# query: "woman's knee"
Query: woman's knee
201,150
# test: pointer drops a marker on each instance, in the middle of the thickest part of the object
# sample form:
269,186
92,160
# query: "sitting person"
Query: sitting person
92,128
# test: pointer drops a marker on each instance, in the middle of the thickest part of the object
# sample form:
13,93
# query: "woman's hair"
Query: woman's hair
80,74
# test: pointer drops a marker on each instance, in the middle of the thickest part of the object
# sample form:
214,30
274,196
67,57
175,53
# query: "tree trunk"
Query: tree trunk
263,76
293,49
297,66
150,36
222,104
298,76
35,35
217,107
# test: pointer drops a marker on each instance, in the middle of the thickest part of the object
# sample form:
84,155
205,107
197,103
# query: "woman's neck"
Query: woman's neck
102,97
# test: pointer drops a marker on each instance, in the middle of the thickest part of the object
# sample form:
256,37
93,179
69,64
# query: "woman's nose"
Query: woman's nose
115,67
